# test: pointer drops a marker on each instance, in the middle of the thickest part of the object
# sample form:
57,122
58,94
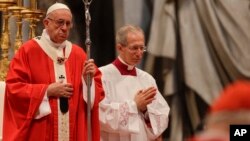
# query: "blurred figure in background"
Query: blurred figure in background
232,107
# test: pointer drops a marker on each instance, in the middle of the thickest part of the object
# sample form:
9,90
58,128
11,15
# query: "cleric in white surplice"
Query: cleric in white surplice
133,109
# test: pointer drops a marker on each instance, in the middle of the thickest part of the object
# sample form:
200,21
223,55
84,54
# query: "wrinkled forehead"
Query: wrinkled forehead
135,35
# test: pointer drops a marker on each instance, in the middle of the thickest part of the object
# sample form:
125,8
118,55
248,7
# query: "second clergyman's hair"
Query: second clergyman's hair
121,35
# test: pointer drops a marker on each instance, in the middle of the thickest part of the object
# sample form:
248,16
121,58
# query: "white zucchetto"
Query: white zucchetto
57,6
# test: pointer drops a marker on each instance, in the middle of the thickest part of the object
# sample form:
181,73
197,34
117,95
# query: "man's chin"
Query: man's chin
137,61
63,38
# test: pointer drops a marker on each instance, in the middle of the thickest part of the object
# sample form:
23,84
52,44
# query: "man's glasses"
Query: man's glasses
61,22
135,48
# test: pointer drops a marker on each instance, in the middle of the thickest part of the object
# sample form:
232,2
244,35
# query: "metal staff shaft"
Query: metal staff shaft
88,45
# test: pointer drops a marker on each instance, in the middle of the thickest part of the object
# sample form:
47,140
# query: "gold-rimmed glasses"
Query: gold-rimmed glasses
61,22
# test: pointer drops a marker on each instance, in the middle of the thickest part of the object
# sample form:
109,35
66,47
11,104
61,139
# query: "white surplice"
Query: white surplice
119,118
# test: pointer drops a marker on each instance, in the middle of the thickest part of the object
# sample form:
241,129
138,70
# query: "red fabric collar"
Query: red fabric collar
123,68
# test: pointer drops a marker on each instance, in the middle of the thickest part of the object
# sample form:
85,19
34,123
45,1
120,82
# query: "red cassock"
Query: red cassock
30,73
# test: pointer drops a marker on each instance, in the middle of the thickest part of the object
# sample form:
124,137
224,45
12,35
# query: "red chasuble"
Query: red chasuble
30,73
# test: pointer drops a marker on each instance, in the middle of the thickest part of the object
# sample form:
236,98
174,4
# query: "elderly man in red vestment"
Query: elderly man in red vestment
45,97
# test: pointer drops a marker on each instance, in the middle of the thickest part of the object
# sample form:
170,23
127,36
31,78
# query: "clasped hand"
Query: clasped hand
145,97
60,89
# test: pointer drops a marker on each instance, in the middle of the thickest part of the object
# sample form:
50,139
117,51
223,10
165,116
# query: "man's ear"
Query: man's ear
119,47
45,22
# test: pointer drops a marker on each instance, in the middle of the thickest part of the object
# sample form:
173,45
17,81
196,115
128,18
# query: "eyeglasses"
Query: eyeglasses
135,48
61,22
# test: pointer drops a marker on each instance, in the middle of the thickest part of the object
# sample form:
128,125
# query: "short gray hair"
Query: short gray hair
121,35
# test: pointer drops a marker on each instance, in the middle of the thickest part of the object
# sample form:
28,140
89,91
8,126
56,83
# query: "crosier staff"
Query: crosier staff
88,44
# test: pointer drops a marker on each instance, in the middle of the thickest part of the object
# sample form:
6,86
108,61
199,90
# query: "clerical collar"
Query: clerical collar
53,44
124,68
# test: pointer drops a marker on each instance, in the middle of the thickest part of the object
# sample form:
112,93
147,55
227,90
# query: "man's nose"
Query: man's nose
64,26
